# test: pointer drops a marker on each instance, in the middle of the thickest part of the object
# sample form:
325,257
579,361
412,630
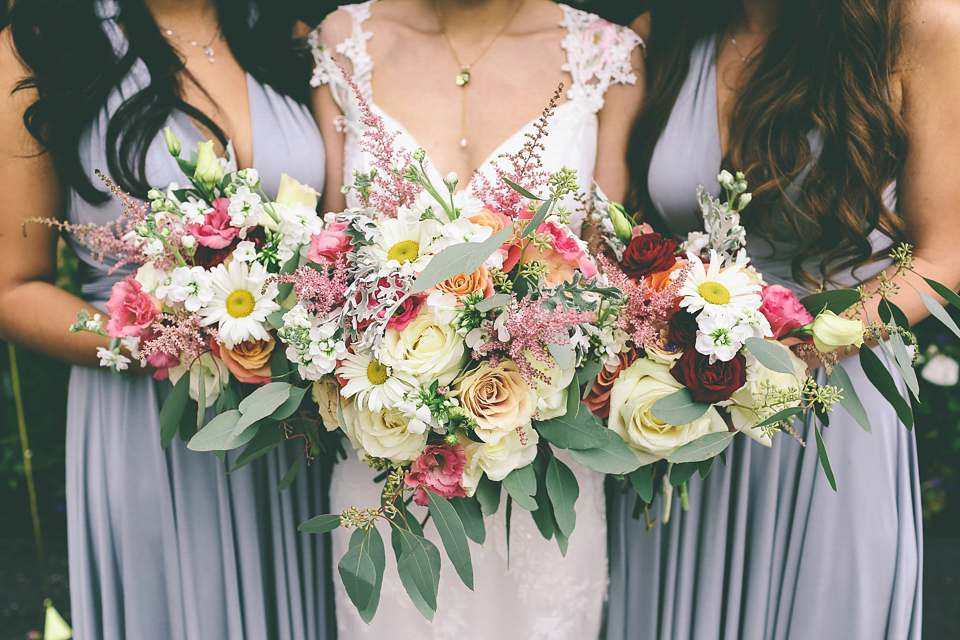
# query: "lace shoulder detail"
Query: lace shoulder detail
598,55
352,49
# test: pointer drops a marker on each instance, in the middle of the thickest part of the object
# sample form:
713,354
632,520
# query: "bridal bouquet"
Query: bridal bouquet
702,347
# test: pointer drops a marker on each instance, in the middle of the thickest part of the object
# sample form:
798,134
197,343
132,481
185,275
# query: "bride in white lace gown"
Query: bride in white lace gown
518,52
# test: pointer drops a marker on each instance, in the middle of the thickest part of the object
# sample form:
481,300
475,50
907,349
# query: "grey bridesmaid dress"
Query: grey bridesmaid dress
164,545
767,549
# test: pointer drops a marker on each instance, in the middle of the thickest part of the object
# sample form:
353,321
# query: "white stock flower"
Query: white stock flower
110,359
246,251
720,337
245,208
443,306
312,345
241,303
298,223
193,286
941,370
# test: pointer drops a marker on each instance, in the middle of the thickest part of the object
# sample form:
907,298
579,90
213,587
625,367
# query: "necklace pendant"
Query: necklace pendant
463,78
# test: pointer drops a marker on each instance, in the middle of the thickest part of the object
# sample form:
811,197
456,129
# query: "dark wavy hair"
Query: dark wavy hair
74,69
825,67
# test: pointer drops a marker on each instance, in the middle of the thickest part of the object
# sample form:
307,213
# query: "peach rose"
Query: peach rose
660,280
498,398
326,393
490,218
461,284
249,361
598,400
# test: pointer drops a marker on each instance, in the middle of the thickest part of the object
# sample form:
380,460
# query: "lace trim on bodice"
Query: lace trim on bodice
598,56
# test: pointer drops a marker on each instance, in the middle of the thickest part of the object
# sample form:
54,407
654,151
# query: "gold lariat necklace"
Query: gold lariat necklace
463,77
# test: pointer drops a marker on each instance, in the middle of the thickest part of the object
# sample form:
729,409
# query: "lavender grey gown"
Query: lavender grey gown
767,549
164,545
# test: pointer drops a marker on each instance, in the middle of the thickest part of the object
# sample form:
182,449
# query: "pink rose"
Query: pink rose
329,244
215,232
131,309
783,310
563,258
439,469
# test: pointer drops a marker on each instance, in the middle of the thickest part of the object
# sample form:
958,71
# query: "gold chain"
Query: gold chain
463,77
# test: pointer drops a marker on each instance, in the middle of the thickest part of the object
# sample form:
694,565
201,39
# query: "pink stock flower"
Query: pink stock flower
131,309
783,310
439,469
215,232
329,244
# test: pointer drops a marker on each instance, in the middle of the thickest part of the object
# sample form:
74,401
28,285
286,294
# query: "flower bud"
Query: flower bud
725,178
208,172
419,155
622,225
173,145
830,332
451,181
451,439
745,199
188,241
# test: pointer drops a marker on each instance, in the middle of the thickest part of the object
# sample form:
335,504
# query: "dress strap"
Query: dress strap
598,55
350,53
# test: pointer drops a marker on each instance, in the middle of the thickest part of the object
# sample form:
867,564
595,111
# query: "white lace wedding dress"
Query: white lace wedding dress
534,592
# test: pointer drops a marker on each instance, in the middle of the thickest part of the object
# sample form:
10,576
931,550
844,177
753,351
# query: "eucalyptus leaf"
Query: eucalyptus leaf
261,444
681,472
290,405
939,313
543,517
889,310
521,485
463,258
772,356
563,543
836,300
217,435
526,194
563,490
613,457
488,495
357,571
944,292
289,476
824,460
453,537
904,363
172,410
494,301
419,567
678,408
784,414
261,403
880,377
642,481
850,400
705,467
581,430
286,288
471,516
587,375
702,448
188,421
563,355
201,399
379,557
280,367
320,524
537,219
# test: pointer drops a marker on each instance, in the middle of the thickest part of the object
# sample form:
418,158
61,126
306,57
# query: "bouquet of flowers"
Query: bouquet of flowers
704,349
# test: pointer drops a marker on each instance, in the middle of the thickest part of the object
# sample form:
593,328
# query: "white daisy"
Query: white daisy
241,302
720,337
404,243
376,385
718,289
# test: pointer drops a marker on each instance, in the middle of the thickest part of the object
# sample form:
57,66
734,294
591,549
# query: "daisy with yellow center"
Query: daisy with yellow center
375,385
717,288
405,243
241,302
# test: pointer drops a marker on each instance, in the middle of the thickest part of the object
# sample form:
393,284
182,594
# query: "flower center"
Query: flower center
240,303
721,337
714,293
405,251
376,373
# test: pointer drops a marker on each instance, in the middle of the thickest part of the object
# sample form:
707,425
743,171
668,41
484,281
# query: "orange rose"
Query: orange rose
249,361
490,218
461,285
598,400
660,280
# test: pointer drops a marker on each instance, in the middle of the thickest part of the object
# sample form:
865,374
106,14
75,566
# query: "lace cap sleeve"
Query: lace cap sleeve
599,54
339,47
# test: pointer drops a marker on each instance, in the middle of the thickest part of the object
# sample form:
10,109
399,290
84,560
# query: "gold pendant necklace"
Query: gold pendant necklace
463,77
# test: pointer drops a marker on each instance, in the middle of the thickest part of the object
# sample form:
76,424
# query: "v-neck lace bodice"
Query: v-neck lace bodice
598,56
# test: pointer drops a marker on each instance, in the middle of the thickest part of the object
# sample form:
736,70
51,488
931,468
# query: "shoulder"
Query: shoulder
930,45
601,32
12,68
336,27
641,26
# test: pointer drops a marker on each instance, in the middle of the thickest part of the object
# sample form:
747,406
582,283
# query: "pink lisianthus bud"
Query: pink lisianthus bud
215,232
329,244
439,469
783,310
641,229
131,309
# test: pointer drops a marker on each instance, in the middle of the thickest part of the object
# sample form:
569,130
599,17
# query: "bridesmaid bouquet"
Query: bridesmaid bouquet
704,349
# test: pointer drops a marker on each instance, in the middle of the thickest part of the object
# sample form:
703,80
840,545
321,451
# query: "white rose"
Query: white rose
212,369
499,458
385,434
942,370
631,400
148,277
424,349
746,401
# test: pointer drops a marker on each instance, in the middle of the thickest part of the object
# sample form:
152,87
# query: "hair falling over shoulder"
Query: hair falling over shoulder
826,67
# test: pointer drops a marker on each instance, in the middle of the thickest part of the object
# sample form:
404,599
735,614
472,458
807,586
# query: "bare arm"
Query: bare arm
620,107
33,311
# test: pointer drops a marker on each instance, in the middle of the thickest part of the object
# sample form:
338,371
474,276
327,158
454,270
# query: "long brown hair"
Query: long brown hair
825,67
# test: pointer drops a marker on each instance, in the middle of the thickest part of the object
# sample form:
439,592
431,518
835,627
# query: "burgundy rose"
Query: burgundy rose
682,329
710,382
648,253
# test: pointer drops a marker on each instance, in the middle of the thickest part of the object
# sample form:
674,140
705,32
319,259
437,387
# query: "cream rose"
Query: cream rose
326,393
292,193
384,434
213,371
830,332
550,398
426,350
631,400
498,398
498,459
743,410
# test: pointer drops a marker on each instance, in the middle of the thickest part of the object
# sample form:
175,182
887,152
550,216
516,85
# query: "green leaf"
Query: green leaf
824,461
320,524
285,288
494,301
357,571
379,557
836,300
880,377
642,481
678,408
780,416
563,355
261,444
543,517
944,292
889,311
460,258
587,375
904,363
471,516
218,434
488,495
173,408
705,466
580,430
521,485
289,476
526,194
290,405
613,457
680,473
419,567
563,489
188,421
772,356
453,537
201,400
850,401
702,448
939,313
562,542
280,367
537,219
261,403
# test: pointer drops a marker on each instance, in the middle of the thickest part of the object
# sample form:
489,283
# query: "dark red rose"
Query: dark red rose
682,329
710,382
648,253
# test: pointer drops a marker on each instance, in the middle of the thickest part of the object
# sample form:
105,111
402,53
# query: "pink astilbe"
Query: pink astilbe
321,291
179,334
645,311
532,328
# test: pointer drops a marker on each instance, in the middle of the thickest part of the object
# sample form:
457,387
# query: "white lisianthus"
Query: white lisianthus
745,404
720,336
193,286
292,193
830,332
941,370
631,417
213,371
498,459
424,349
208,171
386,434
